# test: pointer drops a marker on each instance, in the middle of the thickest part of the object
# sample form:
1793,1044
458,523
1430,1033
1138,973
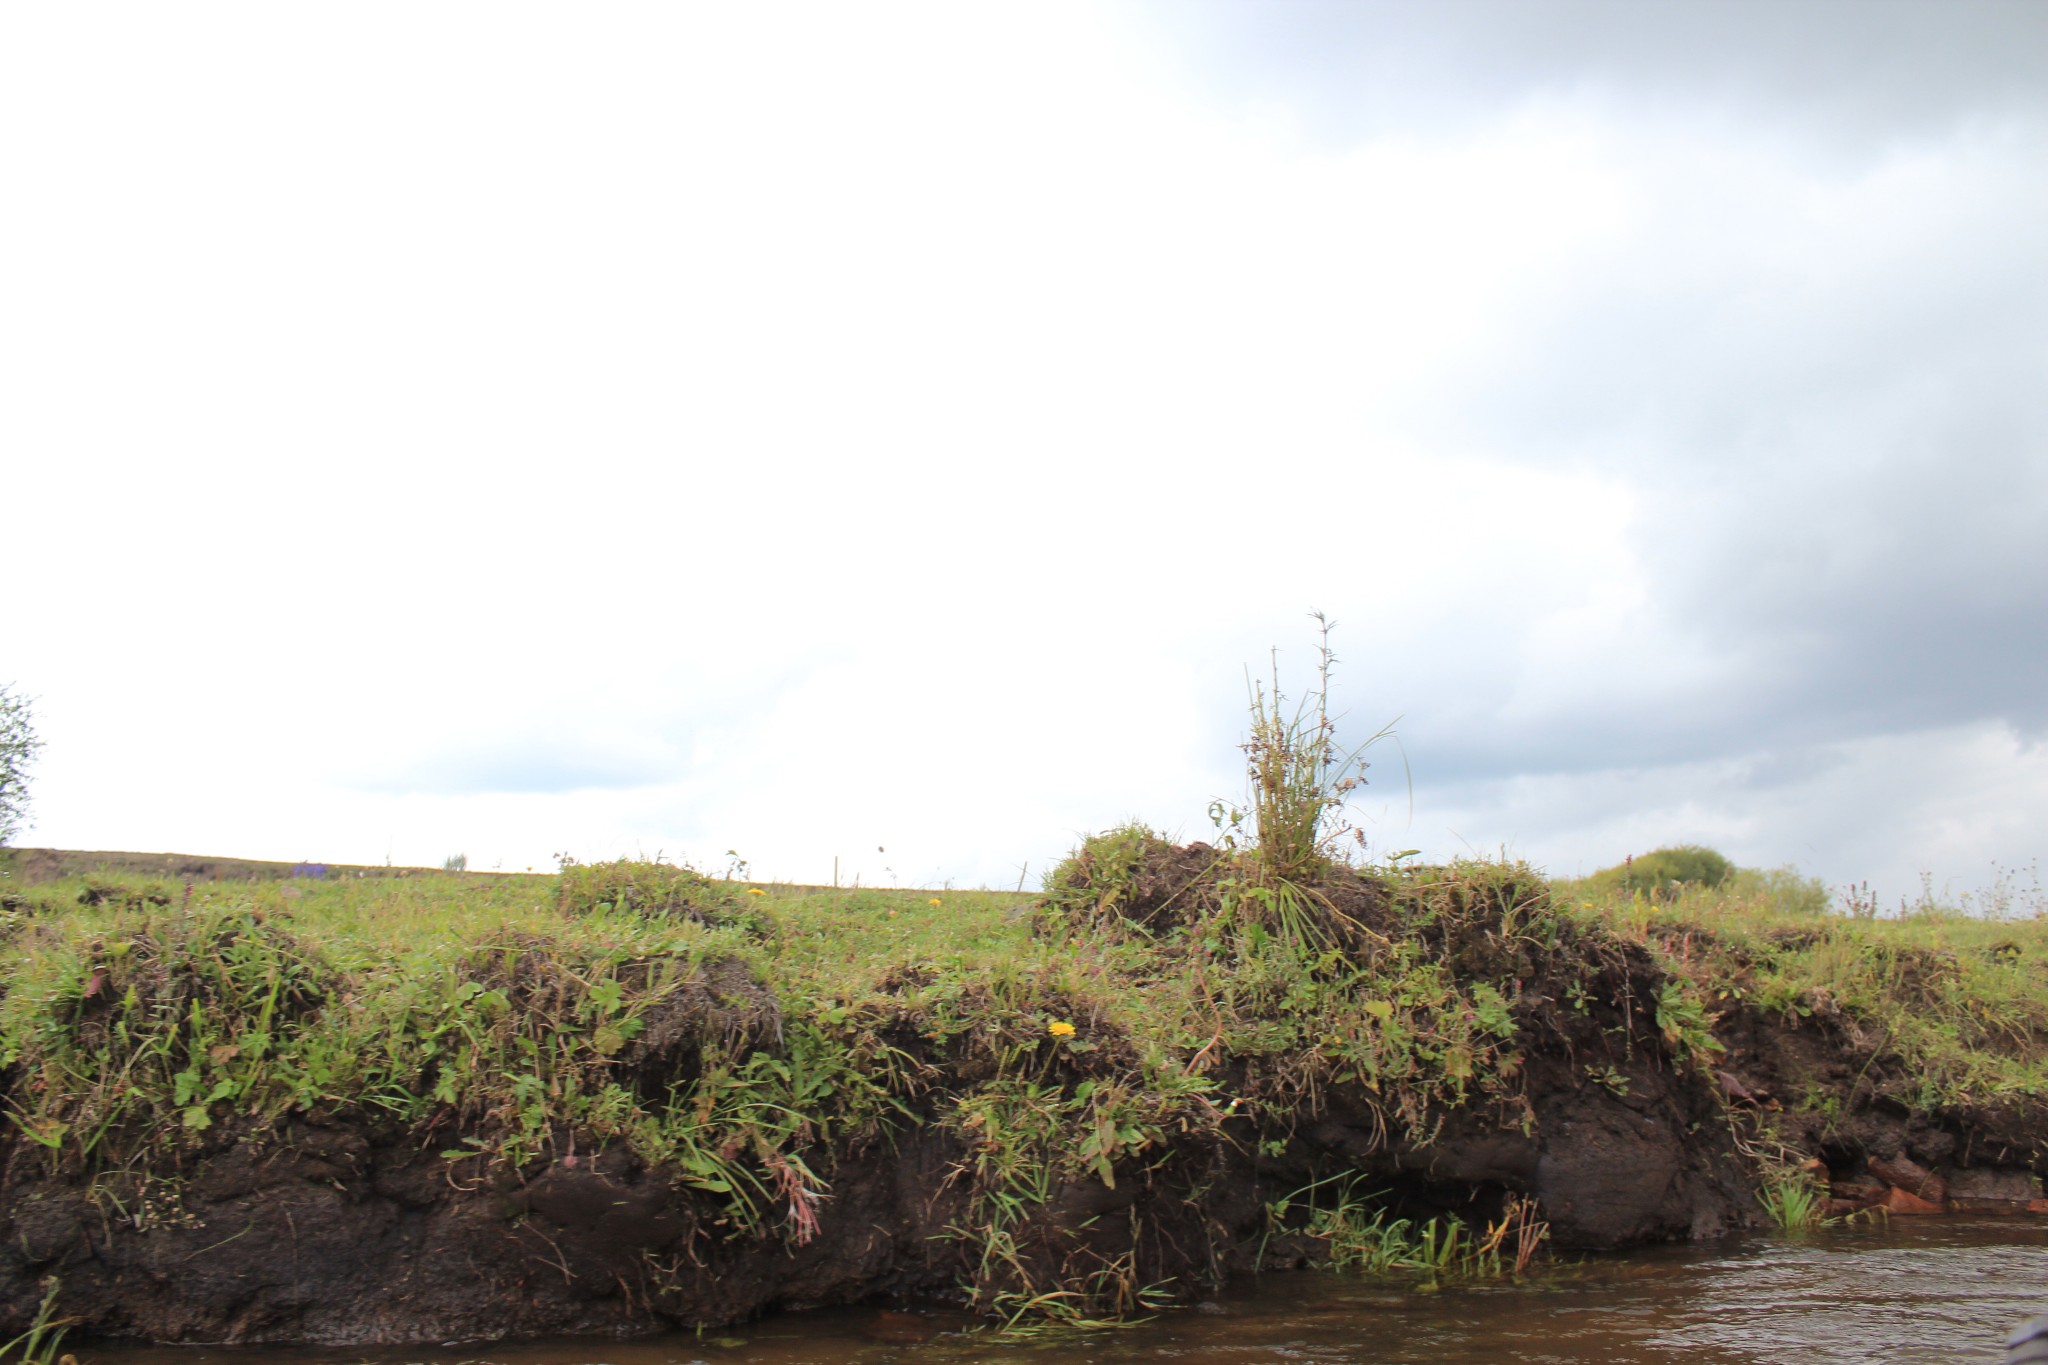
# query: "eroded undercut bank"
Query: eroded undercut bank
638,1098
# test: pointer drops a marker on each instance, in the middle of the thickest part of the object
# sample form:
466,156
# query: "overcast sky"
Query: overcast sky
888,432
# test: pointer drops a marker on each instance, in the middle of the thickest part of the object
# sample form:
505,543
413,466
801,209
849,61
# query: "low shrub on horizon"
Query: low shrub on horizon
1664,872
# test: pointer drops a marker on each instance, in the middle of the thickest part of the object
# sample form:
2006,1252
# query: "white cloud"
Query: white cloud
801,430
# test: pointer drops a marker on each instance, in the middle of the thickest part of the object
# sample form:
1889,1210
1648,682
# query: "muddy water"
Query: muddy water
1941,1290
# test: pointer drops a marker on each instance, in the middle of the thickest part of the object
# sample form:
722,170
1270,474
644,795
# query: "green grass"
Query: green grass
44,1337
1358,1234
1790,1201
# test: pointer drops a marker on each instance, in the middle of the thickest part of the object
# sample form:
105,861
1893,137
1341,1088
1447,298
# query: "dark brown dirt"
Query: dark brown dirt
330,1238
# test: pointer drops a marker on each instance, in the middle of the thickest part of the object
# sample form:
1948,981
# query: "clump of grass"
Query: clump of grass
1357,1234
1280,877
45,1335
1098,881
155,1022
1128,881
1035,1132
17,904
655,889
99,891
1790,1200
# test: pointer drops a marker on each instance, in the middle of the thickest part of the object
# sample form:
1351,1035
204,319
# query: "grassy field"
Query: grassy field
53,864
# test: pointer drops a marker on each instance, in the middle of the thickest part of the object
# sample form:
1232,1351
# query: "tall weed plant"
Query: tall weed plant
1300,778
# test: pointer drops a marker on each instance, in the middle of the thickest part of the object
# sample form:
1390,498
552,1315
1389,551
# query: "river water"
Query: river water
1935,1290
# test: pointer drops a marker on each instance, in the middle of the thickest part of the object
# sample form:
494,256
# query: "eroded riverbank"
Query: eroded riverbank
442,1109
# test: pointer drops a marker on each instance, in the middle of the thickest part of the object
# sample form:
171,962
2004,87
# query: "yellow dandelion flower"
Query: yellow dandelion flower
1060,1028
933,901
755,891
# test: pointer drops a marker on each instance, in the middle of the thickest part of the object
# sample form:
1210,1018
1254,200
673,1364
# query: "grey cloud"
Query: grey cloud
1854,73
1843,475
1896,577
